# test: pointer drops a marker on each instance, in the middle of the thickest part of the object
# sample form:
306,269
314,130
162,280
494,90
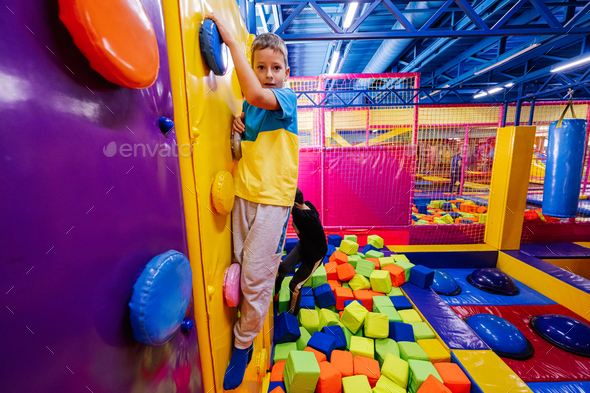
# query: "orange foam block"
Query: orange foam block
278,389
342,360
398,275
433,385
330,379
331,271
373,293
453,377
375,261
368,367
365,297
342,294
321,357
346,272
334,284
276,375
339,257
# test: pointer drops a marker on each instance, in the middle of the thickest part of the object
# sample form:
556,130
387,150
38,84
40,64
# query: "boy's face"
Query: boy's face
269,67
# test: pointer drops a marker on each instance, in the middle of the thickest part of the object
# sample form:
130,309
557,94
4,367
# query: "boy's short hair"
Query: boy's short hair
298,196
272,41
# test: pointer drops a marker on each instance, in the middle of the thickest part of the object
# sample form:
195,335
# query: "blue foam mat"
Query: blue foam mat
473,296
559,387
451,329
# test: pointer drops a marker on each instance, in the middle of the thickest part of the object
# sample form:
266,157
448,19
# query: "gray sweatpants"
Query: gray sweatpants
259,233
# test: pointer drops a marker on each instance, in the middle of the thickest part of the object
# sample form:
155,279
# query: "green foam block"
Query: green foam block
386,385
399,257
352,238
354,316
422,331
345,285
384,346
286,281
309,319
419,371
395,291
409,316
385,261
355,384
301,372
411,350
396,369
284,299
282,351
376,325
392,314
380,281
359,282
319,277
303,339
362,346
382,301
375,240
407,266
364,268
361,255
327,318
353,259
374,254
349,247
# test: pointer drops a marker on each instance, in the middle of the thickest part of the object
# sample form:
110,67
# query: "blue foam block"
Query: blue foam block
322,342
307,302
326,260
399,331
447,207
286,328
274,385
290,244
369,247
455,215
421,276
324,296
422,209
307,291
347,302
331,249
334,240
336,332
401,302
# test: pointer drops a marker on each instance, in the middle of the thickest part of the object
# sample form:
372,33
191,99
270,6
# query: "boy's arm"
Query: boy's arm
255,94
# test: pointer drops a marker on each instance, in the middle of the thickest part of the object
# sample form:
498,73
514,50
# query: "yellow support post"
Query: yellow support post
509,186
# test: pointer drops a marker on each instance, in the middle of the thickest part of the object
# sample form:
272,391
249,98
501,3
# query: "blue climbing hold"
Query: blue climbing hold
501,336
493,280
213,49
444,284
187,325
166,124
567,333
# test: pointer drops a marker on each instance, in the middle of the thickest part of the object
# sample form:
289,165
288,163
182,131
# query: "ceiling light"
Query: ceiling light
495,90
349,15
507,59
509,84
335,57
479,95
573,64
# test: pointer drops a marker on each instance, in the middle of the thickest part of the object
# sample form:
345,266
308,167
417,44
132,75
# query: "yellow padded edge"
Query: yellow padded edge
576,300
442,248
583,244
490,372
578,266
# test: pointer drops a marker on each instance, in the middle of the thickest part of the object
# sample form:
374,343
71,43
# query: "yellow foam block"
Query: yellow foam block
356,384
386,385
409,316
435,351
478,365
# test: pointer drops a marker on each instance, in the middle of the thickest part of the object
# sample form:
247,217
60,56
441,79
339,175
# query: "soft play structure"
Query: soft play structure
116,198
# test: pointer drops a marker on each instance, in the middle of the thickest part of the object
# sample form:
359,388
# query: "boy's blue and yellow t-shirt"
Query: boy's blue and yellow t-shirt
267,172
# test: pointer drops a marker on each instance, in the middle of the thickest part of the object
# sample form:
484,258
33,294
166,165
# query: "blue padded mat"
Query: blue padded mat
559,387
473,296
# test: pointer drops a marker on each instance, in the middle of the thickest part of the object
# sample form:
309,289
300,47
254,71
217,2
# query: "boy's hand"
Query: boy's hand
223,28
238,125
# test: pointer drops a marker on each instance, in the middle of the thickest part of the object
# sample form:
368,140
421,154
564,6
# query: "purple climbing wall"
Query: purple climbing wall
81,214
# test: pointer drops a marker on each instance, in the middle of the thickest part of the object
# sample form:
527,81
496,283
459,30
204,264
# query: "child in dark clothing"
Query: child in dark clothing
310,250
456,163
